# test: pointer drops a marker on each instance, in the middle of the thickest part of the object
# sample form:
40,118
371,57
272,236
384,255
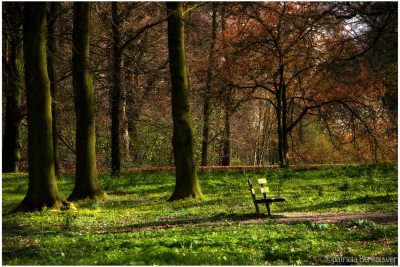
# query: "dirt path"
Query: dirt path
334,217
330,217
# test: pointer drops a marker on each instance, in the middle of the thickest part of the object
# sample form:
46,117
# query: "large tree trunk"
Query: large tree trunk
87,184
51,67
42,189
13,83
186,184
116,94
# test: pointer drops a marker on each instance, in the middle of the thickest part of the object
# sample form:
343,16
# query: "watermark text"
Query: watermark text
359,259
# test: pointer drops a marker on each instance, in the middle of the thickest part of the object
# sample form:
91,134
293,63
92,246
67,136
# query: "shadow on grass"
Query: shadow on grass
12,229
217,220
332,204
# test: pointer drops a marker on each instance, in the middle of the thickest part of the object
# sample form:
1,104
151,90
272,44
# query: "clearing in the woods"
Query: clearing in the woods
332,215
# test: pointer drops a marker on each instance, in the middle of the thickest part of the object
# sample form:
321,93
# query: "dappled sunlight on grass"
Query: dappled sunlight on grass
136,224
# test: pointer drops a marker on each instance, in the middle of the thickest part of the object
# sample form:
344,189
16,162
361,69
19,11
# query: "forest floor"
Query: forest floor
332,215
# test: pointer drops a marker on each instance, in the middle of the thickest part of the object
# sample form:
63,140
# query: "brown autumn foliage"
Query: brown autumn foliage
303,69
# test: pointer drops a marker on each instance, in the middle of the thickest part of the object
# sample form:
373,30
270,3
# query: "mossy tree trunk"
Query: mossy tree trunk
186,185
51,67
42,189
87,184
13,83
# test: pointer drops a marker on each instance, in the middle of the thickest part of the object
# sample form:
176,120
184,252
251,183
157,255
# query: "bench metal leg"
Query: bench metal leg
257,208
256,204
268,209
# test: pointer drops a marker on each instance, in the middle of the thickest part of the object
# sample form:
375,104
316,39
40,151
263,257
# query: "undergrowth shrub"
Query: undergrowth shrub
362,223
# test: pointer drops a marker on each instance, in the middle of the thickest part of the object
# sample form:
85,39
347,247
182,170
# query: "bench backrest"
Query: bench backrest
258,186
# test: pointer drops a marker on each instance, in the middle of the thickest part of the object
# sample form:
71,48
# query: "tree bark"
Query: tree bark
87,184
116,94
42,189
206,131
206,103
186,185
228,111
283,145
51,68
226,142
13,83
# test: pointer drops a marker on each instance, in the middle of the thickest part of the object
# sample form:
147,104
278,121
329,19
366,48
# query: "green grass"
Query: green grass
137,226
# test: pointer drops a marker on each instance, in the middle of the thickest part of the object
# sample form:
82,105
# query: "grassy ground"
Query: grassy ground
137,226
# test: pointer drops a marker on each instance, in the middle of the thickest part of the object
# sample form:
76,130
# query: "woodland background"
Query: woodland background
322,74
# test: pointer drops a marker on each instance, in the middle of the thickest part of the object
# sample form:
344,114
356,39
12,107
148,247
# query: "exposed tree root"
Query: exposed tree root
184,195
41,204
83,194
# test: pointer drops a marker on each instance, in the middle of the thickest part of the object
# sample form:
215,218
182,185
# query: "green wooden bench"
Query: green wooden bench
258,188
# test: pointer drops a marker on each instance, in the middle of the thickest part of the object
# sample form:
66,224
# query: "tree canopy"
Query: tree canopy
269,83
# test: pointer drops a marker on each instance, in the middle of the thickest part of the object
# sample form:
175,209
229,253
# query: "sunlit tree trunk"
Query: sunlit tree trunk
42,189
261,143
132,115
126,139
51,67
186,184
13,90
87,184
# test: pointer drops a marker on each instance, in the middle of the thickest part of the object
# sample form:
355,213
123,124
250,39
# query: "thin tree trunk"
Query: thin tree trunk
284,124
51,67
283,145
281,152
116,94
186,184
206,103
125,135
206,131
12,136
42,189
258,146
132,115
87,184
226,146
